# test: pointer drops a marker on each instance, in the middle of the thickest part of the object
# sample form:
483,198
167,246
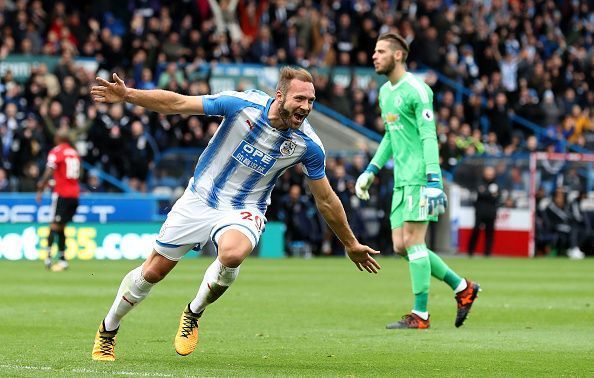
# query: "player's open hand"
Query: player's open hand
109,92
361,256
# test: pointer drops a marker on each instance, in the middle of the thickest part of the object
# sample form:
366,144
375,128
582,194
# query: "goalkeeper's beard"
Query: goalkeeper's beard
389,68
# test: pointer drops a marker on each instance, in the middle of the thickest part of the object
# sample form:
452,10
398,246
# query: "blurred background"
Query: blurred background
514,92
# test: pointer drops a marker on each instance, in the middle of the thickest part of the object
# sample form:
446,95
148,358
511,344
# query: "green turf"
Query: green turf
317,317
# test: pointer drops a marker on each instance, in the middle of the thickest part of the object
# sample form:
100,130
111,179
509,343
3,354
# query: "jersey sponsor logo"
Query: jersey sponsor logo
392,124
253,158
287,148
428,115
394,127
391,117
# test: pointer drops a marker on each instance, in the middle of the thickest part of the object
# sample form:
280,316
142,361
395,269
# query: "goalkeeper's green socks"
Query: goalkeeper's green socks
423,263
441,271
420,274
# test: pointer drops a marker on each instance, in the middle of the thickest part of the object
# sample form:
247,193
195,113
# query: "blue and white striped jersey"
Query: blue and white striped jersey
246,156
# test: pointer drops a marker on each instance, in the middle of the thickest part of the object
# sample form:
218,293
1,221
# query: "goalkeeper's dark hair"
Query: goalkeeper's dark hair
397,42
289,73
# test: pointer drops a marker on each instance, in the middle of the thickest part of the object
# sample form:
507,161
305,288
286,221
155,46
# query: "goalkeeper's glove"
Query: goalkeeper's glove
364,182
435,198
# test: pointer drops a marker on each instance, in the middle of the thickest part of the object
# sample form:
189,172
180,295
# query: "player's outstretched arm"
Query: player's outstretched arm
157,100
331,209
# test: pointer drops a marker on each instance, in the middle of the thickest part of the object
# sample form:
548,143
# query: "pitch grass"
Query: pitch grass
293,317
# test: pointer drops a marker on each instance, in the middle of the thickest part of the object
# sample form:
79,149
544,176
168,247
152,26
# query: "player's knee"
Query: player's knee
231,256
153,274
231,260
399,248
233,248
156,267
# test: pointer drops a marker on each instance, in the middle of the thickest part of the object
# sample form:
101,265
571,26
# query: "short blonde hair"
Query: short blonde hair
289,73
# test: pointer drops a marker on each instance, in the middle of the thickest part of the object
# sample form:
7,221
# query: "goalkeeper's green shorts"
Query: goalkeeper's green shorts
408,205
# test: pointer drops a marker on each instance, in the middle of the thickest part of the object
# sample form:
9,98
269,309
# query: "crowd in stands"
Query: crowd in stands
534,59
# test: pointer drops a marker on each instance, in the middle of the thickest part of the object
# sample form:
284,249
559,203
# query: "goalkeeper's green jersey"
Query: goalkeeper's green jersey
410,137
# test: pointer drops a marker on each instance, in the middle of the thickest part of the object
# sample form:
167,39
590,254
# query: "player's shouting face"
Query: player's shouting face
385,57
296,103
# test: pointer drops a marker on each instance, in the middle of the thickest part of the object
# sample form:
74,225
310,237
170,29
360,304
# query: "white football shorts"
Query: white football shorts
191,222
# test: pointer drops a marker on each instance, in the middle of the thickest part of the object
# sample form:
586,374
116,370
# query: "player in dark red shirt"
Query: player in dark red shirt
63,163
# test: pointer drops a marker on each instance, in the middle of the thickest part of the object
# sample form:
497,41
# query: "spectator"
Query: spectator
572,180
492,147
468,138
142,150
194,135
171,74
4,182
339,100
146,80
226,19
516,180
173,48
68,96
485,206
527,105
473,111
580,227
28,183
450,153
279,15
263,50
250,17
27,146
531,144
557,222
550,109
295,213
93,183
497,111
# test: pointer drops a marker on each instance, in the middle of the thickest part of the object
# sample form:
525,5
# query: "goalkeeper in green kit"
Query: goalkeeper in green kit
410,138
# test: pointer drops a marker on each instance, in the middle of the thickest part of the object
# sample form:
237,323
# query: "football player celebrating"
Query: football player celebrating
226,199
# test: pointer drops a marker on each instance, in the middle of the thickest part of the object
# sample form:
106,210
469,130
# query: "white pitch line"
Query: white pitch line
84,371
25,367
132,373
